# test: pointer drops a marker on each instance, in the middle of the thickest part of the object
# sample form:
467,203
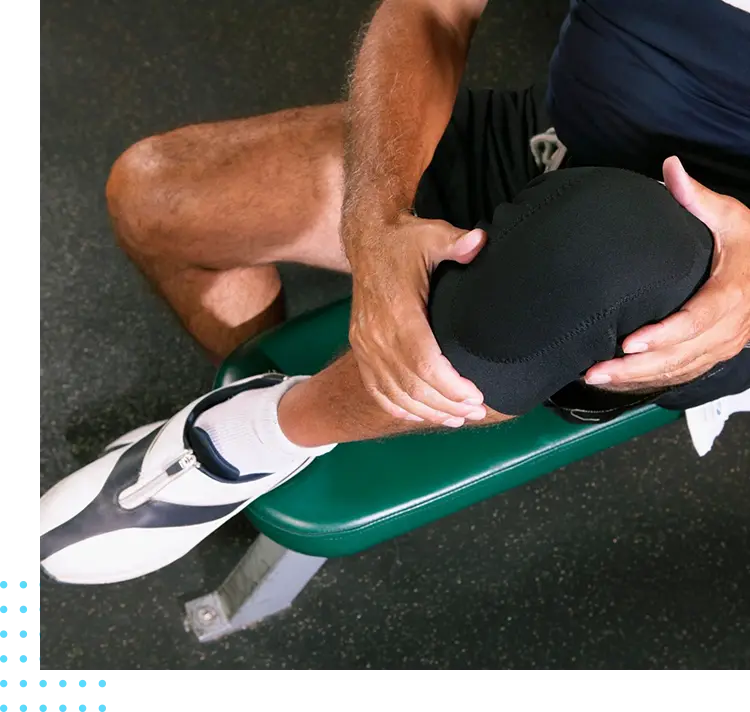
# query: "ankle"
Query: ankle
296,419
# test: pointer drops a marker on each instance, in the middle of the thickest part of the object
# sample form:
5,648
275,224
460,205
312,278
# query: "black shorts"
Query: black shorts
484,159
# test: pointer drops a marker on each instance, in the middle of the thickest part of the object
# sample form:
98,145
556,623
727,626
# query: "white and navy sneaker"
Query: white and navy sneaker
156,493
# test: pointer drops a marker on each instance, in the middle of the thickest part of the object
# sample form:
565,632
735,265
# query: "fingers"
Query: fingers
414,378
659,369
709,207
682,327
399,358
711,304
403,386
681,347
675,362
693,196
411,399
714,324
467,247
442,241
719,309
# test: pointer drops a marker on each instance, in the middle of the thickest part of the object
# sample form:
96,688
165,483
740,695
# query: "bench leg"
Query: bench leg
266,581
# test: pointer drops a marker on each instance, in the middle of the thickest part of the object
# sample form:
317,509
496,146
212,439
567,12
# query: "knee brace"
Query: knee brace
578,261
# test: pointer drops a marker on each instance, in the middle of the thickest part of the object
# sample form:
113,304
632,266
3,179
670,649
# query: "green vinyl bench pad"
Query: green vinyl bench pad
365,493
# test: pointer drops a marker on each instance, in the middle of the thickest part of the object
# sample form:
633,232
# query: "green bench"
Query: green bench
362,494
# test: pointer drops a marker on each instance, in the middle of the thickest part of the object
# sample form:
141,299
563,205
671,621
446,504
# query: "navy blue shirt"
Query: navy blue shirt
634,81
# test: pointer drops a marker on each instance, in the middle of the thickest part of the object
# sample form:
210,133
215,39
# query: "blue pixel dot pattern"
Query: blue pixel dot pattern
19,625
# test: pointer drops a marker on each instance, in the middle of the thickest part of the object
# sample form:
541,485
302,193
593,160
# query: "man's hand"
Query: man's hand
399,360
401,94
711,327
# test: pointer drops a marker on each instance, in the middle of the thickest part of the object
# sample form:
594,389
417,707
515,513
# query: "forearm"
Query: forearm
402,90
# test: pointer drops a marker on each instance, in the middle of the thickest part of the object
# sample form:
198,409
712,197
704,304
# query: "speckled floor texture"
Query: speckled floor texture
637,557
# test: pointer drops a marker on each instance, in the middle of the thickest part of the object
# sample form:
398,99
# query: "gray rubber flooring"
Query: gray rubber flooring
638,557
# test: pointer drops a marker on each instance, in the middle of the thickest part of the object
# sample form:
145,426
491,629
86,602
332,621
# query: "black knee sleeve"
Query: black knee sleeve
580,259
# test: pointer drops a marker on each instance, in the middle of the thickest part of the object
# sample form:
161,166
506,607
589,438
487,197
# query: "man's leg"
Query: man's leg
579,260
334,407
205,211
483,160
569,270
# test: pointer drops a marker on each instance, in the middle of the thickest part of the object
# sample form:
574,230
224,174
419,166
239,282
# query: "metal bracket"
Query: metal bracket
266,581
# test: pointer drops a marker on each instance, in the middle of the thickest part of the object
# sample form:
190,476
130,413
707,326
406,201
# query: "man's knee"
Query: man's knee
136,191
580,260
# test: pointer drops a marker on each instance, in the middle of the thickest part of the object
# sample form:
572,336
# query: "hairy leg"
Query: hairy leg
334,407
206,211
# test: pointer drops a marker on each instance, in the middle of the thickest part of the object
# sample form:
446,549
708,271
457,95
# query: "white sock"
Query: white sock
245,430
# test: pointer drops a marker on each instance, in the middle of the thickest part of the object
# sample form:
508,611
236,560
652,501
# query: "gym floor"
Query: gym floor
637,557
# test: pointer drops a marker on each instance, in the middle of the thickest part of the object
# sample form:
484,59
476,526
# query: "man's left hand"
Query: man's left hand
711,327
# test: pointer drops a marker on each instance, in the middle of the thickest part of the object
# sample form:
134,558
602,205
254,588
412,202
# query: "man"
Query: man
388,186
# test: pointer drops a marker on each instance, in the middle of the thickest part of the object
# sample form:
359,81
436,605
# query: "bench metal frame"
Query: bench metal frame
266,581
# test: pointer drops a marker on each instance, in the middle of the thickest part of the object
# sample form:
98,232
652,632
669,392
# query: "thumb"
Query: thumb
707,206
465,246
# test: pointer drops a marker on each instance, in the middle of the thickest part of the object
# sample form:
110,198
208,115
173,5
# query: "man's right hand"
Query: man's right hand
401,94
398,357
